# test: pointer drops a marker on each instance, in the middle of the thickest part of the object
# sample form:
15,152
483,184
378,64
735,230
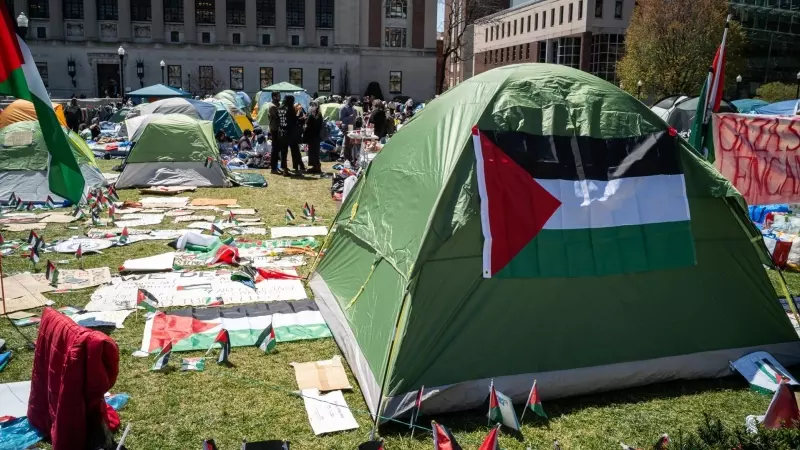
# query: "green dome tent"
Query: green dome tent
174,150
198,109
572,239
330,111
24,163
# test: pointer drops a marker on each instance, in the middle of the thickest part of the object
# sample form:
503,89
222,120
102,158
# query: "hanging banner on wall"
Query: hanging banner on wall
760,155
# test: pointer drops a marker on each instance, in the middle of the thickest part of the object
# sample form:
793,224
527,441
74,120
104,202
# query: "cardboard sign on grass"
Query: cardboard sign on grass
328,413
279,232
24,292
327,375
73,280
214,202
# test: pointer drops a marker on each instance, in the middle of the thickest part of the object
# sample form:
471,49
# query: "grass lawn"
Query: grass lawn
251,400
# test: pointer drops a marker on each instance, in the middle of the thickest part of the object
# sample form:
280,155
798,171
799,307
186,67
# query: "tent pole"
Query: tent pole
789,297
2,286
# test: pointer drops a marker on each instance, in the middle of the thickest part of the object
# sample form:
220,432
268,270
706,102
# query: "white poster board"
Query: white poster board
328,413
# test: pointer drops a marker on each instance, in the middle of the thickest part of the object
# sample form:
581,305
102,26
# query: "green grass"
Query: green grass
252,400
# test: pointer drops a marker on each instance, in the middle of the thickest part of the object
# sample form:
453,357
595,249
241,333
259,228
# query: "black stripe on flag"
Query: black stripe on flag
587,158
254,310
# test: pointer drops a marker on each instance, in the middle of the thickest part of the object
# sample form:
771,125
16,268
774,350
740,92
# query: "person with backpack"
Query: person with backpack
316,131
290,135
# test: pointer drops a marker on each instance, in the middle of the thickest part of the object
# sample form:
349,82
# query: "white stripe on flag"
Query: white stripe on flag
32,78
624,201
484,196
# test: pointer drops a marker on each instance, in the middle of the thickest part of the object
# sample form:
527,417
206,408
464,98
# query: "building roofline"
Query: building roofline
489,18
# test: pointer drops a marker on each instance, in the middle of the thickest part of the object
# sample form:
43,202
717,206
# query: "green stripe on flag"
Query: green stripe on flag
604,251
247,338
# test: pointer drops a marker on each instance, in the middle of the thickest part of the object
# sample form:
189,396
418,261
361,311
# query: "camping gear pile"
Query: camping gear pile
780,227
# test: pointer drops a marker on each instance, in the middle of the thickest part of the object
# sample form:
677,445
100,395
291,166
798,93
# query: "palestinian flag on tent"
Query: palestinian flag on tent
581,206
163,358
209,161
501,409
266,341
491,443
146,300
20,78
196,328
443,439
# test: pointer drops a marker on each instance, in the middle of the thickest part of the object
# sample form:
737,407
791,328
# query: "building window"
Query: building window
542,52
485,58
396,9
323,41
553,17
544,19
38,9
173,11
174,36
264,76
502,56
598,8
496,53
296,13
503,31
141,11
569,15
204,11
514,53
41,32
485,37
395,82
265,13
527,51
529,23
265,39
73,9
561,15
535,21
206,78
237,38
234,12
237,78
296,77
395,37
569,52
618,9
205,37
295,39
515,27
107,10
174,76
324,80
42,68
607,50
580,9
324,13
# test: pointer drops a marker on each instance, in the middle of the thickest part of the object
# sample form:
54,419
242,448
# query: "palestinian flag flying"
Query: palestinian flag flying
306,211
163,358
95,218
224,340
34,254
20,78
289,216
491,442
195,364
501,410
49,203
196,328
232,218
51,273
535,402
12,199
581,206
417,406
146,300
32,238
266,341
443,439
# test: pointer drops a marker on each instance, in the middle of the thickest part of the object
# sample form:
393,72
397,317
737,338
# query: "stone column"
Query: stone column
586,51
189,22
157,25
56,21
251,32
311,23
280,22
124,20
89,19
548,52
221,22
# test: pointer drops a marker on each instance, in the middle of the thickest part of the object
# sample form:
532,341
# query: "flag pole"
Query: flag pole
2,286
527,401
489,415
717,76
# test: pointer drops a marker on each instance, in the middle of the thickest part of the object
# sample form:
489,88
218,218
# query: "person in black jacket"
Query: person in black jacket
312,136
292,133
378,119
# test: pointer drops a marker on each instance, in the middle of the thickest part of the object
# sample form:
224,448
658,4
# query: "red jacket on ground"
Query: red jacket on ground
73,368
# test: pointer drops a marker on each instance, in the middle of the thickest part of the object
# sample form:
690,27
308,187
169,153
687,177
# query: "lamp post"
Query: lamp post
22,25
121,53
163,64
639,85
140,71
738,86
71,71
333,85
797,95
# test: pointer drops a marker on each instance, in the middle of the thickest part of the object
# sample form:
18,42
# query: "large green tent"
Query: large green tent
174,150
24,162
610,255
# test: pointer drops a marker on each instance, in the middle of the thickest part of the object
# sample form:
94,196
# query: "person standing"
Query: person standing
72,114
347,115
378,119
312,136
278,152
289,134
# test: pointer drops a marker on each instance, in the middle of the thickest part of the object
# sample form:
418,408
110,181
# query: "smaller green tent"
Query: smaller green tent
330,111
158,91
24,162
174,150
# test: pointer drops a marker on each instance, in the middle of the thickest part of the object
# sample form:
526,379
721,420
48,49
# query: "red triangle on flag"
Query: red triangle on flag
490,443
173,328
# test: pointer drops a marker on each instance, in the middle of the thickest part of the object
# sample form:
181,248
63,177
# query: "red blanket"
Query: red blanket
73,367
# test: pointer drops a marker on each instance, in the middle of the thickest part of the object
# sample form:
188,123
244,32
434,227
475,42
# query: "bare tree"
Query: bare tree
209,84
459,15
344,80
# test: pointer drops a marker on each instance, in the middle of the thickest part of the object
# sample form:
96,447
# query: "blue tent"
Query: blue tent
748,105
158,91
784,108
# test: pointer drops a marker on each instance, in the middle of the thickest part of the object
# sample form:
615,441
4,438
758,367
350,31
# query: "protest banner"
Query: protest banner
760,156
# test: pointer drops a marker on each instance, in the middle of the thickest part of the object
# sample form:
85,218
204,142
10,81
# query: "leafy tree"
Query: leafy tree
671,44
777,91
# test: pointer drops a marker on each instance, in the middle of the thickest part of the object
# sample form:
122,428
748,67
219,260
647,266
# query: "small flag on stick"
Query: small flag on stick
306,211
417,408
163,358
32,238
146,300
34,255
501,409
123,238
534,402
289,216
443,439
30,206
215,230
49,203
266,342
12,199
313,214
51,273
20,205
491,443
224,339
